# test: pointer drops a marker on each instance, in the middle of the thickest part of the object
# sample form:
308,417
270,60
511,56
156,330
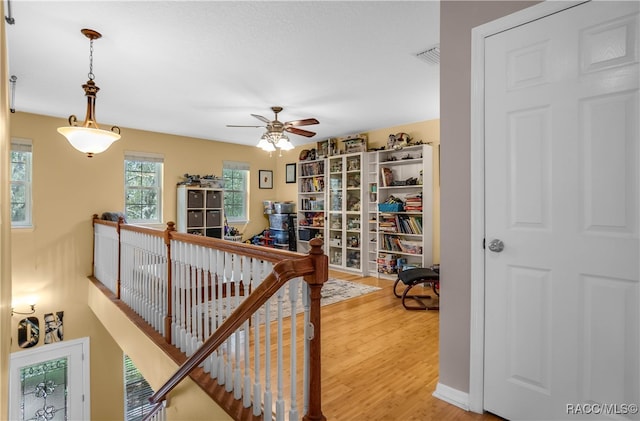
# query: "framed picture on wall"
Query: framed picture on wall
291,173
266,179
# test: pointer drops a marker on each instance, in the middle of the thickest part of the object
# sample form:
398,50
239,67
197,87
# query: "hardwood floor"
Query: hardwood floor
380,361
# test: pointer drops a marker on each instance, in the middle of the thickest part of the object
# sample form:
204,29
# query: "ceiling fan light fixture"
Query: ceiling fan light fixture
89,138
265,144
284,143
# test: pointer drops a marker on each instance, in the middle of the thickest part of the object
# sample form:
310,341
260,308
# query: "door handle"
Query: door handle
496,246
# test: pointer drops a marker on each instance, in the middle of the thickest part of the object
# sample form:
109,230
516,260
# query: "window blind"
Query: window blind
143,156
21,145
234,165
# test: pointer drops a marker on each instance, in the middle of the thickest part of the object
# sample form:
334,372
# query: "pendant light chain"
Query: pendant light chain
91,75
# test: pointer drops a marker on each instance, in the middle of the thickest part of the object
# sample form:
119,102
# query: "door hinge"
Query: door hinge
484,243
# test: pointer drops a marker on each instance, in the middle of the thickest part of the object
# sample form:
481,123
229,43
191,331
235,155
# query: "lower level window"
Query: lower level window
137,392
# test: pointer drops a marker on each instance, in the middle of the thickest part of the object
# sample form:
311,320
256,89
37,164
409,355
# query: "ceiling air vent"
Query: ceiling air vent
431,55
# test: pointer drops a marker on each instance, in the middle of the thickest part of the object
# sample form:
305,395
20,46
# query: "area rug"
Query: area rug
333,291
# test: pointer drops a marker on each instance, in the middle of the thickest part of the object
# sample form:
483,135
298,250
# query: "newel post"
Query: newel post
316,281
171,227
120,222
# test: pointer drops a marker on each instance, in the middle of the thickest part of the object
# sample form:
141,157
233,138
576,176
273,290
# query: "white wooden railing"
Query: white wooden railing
186,287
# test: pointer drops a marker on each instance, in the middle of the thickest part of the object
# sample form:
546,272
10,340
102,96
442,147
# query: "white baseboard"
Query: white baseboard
452,396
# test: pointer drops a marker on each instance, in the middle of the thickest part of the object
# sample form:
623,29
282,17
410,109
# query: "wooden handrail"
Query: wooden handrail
313,267
282,272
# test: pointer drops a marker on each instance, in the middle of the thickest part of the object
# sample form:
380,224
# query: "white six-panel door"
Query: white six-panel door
562,195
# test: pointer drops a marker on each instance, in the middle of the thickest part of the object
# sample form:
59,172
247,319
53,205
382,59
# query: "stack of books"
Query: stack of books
413,203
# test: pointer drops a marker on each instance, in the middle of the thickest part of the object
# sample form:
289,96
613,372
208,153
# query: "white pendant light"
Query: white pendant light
89,138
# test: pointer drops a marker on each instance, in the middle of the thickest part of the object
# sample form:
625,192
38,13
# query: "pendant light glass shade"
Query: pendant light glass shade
89,138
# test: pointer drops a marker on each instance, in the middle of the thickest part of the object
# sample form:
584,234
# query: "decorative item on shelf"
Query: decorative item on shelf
89,138
212,181
355,143
322,149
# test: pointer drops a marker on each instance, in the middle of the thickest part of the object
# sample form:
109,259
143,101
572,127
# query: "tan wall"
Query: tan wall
457,18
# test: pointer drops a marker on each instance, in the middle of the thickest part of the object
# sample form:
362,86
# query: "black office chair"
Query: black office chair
418,276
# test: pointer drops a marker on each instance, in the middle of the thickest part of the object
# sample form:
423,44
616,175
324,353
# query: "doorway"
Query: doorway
555,149
51,382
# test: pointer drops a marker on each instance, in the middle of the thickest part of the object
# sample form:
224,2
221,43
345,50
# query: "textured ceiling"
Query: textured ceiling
191,67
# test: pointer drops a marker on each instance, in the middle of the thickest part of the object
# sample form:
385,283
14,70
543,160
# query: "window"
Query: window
143,187
236,192
136,392
20,183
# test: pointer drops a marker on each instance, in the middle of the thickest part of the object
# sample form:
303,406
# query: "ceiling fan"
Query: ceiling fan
276,126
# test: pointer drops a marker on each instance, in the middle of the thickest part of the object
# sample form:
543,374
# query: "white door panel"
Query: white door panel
561,193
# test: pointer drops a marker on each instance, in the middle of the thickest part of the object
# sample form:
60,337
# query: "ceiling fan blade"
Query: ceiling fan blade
264,119
305,122
234,125
299,131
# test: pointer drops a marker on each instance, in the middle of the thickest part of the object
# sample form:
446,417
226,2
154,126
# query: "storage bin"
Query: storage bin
411,247
195,218
267,205
195,199
214,232
284,207
304,234
279,237
213,218
279,221
214,199
390,207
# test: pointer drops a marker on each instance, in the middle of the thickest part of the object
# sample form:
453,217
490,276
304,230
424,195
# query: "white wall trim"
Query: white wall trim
452,396
475,397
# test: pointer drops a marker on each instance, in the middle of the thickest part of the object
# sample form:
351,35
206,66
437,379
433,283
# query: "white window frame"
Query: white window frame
237,166
145,157
24,145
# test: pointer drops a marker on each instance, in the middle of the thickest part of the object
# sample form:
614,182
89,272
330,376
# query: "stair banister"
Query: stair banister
314,269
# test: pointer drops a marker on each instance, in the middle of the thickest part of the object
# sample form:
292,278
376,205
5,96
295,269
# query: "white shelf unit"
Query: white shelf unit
404,236
311,217
346,203
371,165
200,211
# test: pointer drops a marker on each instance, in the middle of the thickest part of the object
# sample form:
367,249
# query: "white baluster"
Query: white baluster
294,285
224,352
252,279
199,300
306,302
245,264
280,400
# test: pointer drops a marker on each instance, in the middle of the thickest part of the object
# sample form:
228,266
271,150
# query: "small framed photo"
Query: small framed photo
291,173
266,179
